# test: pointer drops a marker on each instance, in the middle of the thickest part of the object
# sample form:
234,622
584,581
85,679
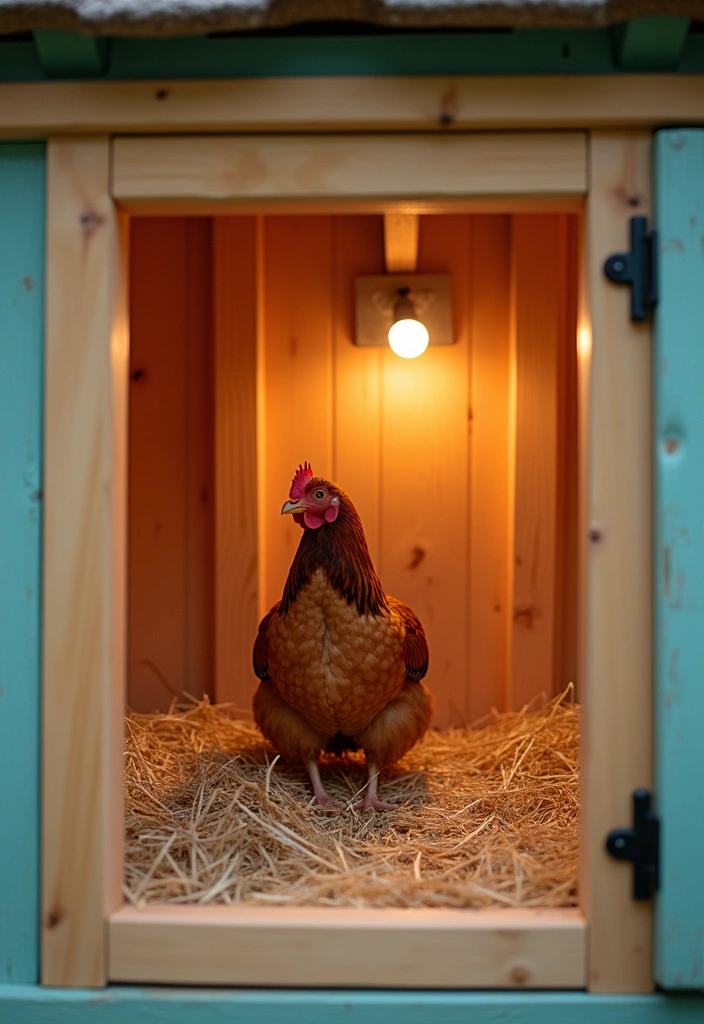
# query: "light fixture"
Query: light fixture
406,311
408,337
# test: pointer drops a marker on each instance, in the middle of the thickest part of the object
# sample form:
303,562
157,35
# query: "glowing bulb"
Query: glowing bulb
408,338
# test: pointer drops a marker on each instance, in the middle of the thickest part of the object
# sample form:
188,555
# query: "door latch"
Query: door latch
640,844
637,268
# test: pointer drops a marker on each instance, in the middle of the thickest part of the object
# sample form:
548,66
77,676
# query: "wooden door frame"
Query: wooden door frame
87,937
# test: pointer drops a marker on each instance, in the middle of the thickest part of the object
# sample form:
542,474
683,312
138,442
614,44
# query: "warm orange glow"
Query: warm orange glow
584,341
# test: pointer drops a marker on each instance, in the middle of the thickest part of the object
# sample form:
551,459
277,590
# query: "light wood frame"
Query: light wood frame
420,103
87,937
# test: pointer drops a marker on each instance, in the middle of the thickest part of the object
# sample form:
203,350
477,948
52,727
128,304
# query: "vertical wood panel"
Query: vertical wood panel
679,555
538,259
200,461
236,515
298,374
618,699
358,249
568,568
22,201
84,513
424,501
170,462
490,486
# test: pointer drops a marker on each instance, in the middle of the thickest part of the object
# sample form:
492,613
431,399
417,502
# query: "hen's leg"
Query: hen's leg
391,733
370,797
292,735
321,796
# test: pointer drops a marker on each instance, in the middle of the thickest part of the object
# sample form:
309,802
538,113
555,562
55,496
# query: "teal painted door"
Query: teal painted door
679,557
21,375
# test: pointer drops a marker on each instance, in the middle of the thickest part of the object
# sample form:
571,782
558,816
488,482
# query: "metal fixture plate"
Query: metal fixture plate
376,296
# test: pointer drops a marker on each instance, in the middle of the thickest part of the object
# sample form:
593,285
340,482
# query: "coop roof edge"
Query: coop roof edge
180,17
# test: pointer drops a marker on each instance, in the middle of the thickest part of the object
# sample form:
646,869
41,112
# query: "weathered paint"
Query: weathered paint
679,557
21,348
117,1005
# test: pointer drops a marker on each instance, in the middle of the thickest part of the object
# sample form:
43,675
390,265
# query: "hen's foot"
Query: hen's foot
370,799
323,800
375,803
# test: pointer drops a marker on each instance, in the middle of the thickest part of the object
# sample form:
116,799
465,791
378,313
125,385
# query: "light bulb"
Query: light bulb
408,338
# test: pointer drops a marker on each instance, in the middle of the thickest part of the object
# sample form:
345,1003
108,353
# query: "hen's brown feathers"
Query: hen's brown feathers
340,548
260,655
415,646
341,663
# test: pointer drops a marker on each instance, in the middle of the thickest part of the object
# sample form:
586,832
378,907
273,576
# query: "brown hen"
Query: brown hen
340,662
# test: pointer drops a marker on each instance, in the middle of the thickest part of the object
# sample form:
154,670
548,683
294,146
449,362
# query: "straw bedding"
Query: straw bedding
488,816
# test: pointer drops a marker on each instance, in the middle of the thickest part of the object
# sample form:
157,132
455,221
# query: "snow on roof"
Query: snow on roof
180,17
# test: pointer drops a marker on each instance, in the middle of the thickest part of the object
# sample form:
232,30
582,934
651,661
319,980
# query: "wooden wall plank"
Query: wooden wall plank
170,558
200,461
617,734
491,489
570,520
85,479
298,369
416,167
424,497
358,248
235,311
679,555
538,253
22,200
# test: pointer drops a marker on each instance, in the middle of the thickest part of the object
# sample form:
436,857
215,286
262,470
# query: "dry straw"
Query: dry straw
488,816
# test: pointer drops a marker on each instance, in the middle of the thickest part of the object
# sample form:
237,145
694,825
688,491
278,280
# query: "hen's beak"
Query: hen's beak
291,506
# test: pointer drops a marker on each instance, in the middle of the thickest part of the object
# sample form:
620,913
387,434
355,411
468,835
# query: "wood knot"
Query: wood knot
519,976
417,555
448,106
90,221
526,616
162,94
54,919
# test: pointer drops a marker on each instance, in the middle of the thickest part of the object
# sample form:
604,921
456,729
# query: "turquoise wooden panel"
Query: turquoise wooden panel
652,43
679,557
647,47
519,51
117,1005
21,348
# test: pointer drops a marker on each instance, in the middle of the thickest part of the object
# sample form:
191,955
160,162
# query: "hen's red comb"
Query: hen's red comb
298,484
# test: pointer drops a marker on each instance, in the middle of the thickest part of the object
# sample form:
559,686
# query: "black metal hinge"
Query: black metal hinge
637,268
641,844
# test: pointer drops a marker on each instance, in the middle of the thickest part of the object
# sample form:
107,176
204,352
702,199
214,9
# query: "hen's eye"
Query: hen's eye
319,494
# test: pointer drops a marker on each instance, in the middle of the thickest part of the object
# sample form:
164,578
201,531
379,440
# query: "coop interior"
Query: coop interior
464,465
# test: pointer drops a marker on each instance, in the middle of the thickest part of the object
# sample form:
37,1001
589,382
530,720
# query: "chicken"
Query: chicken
340,662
